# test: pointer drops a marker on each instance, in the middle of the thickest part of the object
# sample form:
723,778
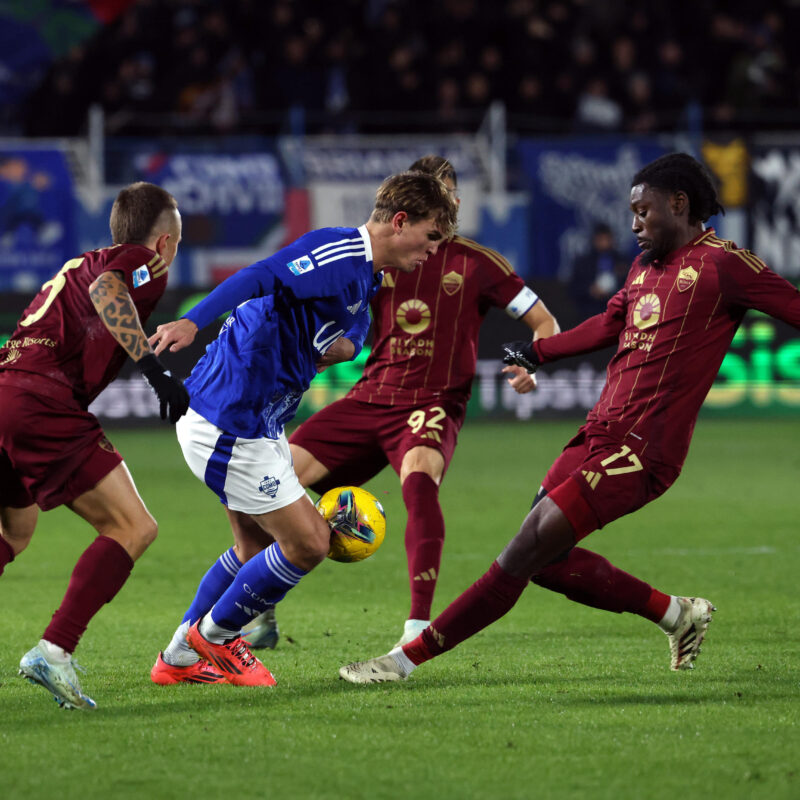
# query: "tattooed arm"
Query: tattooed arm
114,306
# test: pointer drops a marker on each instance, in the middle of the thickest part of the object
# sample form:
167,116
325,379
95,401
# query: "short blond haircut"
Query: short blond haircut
421,196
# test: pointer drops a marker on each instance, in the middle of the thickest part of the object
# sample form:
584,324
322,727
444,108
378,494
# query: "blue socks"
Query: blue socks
214,583
261,582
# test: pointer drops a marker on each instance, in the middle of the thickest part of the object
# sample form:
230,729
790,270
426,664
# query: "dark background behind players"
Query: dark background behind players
560,66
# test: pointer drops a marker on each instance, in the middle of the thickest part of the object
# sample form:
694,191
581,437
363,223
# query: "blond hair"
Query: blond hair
421,196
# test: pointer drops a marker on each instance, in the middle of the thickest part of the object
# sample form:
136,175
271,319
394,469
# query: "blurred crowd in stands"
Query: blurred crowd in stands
365,66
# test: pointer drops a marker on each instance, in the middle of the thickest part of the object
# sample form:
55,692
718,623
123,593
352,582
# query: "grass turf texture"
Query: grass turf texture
555,700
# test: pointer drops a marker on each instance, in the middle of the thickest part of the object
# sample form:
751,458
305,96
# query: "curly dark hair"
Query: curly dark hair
679,172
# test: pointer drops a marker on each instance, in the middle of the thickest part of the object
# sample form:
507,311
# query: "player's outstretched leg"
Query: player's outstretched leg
263,631
488,599
688,635
589,578
52,667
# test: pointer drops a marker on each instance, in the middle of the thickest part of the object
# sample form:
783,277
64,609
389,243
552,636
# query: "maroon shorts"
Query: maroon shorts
599,478
50,452
356,440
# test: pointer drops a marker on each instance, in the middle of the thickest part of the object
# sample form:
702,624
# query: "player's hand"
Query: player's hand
176,335
521,354
341,350
520,380
172,395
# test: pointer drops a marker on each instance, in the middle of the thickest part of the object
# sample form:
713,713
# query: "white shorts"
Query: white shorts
250,475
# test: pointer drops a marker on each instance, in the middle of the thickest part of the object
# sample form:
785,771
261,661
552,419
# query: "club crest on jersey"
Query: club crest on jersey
269,486
686,278
647,311
300,265
141,276
452,282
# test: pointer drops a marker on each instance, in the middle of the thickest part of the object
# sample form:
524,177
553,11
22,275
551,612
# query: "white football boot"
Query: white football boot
59,679
376,670
685,640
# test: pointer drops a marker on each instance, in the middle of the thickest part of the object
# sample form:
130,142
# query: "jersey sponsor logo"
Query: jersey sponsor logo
413,316
300,265
452,282
353,309
647,311
638,280
686,278
140,276
269,486
388,280
403,347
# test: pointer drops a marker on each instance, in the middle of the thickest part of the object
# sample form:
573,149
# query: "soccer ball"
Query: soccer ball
357,520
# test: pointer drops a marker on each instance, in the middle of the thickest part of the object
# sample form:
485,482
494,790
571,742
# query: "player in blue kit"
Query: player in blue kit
295,313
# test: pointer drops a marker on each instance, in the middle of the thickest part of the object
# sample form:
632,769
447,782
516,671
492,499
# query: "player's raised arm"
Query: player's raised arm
254,281
116,309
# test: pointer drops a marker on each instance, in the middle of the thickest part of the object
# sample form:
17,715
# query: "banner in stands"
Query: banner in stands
573,185
775,206
232,205
37,230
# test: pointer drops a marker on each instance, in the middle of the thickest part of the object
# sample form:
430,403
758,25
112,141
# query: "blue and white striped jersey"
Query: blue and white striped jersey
287,311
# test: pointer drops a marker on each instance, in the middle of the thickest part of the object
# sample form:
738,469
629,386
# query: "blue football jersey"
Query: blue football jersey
287,311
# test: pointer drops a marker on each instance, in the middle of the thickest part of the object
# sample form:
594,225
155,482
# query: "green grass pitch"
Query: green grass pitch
555,700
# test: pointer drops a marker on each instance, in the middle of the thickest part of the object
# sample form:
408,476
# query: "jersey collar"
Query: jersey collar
367,244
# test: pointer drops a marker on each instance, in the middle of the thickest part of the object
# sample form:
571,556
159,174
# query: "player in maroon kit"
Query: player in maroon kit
673,321
409,405
68,346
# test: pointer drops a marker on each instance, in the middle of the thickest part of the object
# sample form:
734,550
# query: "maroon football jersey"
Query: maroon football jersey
673,323
426,324
61,338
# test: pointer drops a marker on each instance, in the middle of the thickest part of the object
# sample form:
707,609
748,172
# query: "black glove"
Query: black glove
170,391
521,354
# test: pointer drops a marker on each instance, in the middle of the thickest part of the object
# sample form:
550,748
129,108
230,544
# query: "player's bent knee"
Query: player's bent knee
306,553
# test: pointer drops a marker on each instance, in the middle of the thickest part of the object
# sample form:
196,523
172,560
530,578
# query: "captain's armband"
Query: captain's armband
522,303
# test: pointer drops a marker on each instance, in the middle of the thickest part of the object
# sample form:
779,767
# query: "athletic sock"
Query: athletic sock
590,579
6,554
407,666
53,653
669,621
213,585
488,599
261,582
178,653
99,574
424,540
